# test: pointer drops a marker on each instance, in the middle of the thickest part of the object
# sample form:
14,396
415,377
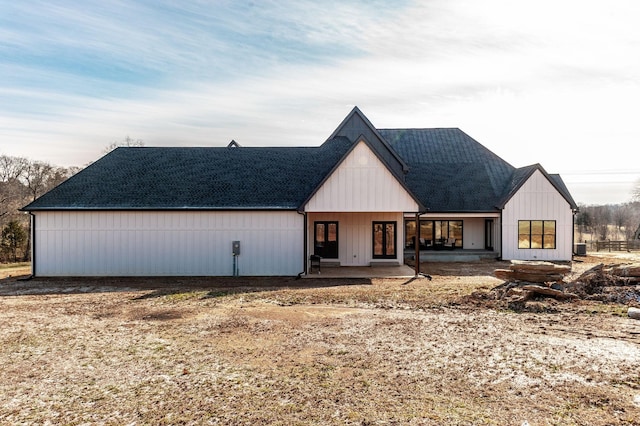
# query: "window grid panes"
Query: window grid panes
432,232
384,240
536,234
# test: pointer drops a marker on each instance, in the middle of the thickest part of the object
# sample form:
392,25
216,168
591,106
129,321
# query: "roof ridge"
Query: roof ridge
421,128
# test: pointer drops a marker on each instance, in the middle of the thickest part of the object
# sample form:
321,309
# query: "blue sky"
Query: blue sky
549,82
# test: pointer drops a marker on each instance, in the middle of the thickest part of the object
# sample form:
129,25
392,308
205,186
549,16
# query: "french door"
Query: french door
384,240
325,240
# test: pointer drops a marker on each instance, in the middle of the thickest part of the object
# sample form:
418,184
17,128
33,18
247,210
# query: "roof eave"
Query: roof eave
564,193
149,209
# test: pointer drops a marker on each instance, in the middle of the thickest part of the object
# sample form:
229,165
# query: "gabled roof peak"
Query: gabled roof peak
355,125
522,174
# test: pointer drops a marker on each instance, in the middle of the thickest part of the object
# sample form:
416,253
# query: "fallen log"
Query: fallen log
632,270
591,271
539,267
533,277
503,274
533,271
547,291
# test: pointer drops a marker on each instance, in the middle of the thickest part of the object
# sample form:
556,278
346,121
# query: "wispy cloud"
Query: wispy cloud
549,76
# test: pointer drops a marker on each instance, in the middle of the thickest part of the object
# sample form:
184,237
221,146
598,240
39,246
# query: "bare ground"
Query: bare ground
280,351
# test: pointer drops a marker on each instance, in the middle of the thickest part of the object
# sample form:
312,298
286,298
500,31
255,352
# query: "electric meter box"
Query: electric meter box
235,248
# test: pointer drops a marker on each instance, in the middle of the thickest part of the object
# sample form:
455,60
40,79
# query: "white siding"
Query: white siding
362,183
537,199
355,235
167,243
473,233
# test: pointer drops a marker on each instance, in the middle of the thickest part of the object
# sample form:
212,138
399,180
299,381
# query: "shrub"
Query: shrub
13,240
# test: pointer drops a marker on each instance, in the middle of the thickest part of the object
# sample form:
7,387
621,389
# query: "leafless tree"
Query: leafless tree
22,181
601,216
633,225
12,195
37,176
616,221
627,219
11,168
635,192
584,221
126,142
12,190
621,215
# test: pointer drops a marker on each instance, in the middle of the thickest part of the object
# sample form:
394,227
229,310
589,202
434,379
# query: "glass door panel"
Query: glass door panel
384,240
325,242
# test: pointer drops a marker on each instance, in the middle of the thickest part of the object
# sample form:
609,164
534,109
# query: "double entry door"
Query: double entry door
383,234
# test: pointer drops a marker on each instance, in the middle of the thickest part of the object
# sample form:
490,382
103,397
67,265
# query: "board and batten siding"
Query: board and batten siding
362,183
537,199
131,243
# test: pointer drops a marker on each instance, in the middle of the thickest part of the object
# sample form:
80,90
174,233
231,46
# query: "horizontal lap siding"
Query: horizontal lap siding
167,243
537,199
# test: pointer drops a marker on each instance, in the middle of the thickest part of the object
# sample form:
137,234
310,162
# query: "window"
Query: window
384,240
325,240
536,234
433,232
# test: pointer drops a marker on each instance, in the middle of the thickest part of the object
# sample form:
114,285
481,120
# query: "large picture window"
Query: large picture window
537,234
433,232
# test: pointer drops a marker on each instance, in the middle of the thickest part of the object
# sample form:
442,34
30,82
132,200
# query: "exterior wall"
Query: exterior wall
537,199
167,243
362,183
355,236
473,233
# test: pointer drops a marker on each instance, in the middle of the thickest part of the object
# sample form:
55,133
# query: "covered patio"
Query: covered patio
458,255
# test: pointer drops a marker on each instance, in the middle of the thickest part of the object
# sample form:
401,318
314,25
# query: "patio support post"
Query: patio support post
416,244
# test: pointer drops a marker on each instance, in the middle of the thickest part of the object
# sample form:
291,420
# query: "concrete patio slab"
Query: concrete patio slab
401,271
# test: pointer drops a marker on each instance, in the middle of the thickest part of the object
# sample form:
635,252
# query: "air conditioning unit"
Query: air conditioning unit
580,249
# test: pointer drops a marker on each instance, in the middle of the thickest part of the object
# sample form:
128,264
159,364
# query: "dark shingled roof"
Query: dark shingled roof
449,171
197,178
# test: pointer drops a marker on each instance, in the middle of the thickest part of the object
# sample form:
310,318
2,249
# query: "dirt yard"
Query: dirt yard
281,351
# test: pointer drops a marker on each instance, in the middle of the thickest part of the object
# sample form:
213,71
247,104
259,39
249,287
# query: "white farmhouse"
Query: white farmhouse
365,196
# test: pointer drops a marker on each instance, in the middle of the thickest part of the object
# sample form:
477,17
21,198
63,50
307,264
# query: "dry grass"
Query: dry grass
14,269
280,351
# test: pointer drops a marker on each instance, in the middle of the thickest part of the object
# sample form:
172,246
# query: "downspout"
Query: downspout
573,231
305,239
501,239
33,247
416,245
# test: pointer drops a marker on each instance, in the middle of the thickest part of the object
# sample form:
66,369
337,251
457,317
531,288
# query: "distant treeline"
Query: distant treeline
608,222
22,181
